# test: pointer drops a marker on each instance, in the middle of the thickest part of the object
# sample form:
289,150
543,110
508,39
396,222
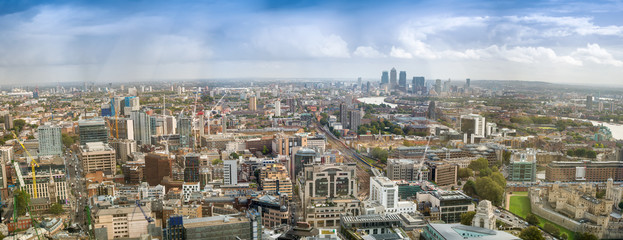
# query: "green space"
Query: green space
520,206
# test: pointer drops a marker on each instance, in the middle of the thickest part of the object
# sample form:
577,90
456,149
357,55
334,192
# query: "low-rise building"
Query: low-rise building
446,206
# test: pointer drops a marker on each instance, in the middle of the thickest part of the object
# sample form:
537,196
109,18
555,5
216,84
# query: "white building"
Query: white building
278,108
473,126
384,198
188,188
230,172
50,142
146,192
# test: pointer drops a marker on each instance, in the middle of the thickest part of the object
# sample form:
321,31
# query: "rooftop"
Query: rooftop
459,231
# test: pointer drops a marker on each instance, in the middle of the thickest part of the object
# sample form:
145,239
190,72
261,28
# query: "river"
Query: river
615,129
376,100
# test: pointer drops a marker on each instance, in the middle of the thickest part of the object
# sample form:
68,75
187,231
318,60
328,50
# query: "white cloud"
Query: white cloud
399,53
594,53
300,41
566,26
367,52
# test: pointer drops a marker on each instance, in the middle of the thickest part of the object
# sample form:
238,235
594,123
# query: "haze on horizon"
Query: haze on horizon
111,41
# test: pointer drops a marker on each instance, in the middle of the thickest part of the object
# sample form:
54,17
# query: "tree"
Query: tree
465,173
56,209
479,164
380,154
498,178
532,219
469,188
18,125
621,204
30,137
550,228
485,172
488,189
531,233
506,157
234,155
585,236
564,236
265,150
466,218
23,200
217,161
67,140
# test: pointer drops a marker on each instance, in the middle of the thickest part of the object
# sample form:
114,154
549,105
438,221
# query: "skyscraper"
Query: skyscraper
230,172
344,115
8,121
468,83
92,131
368,87
142,127
157,166
278,108
360,84
355,120
402,80
385,77
184,129
431,114
419,85
253,103
438,86
589,102
393,78
50,142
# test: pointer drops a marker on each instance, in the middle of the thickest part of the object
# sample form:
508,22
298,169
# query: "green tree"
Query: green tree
479,164
30,137
564,236
380,154
466,218
550,228
18,125
217,161
469,188
234,155
621,205
56,209
485,172
67,140
488,189
532,219
498,178
23,200
585,236
265,150
465,173
531,233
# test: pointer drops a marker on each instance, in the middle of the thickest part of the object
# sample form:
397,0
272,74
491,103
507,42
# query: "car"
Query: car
527,224
497,210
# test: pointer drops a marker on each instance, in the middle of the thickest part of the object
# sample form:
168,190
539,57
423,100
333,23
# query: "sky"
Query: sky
578,42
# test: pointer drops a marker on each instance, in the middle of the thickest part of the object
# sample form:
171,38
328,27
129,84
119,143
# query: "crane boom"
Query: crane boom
33,163
149,219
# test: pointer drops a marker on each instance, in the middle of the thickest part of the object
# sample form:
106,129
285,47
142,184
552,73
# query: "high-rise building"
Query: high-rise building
522,167
274,180
438,86
253,103
142,127
468,83
589,102
402,80
50,141
8,121
191,167
443,174
301,157
355,120
473,125
230,172
601,106
368,86
360,84
431,113
157,166
278,108
393,78
384,77
96,156
92,131
344,115
131,104
123,148
419,85
124,127
184,129
384,198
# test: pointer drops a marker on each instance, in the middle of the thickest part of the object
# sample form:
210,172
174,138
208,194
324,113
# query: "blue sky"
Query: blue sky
113,41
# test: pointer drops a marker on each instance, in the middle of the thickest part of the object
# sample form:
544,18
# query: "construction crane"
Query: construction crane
33,164
419,171
210,112
148,218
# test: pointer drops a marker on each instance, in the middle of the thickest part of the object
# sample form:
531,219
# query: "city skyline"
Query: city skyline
72,41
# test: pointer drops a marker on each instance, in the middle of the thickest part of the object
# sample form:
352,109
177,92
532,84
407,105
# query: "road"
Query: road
78,198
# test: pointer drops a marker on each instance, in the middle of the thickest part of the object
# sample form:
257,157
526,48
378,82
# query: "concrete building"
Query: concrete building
384,198
253,103
50,186
122,221
328,181
344,116
95,156
393,78
274,180
92,131
522,167
484,217
121,128
188,188
223,227
142,127
586,170
278,108
373,226
157,166
123,148
355,120
440,231
50,141
230,172
191,167
406,169
446,206
473,126
443,173
275,211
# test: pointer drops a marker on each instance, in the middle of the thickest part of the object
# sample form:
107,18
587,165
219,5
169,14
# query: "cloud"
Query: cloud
302,41
568,25
594,53
367,52
400,53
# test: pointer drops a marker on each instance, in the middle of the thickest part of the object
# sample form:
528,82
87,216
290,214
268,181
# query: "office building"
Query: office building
438,86
230,172
130,104
253,103
419,85
274,180
402,80
157,166
142,127
184,129
344,115
384,198
92,131
355,120
50,186
473,126
385,78
329,181
188,188
406,169
8,121
440,231
275,210
446,206
191,167
431,113
123,148
443,173
96,156
586,170
522,167
589,102
122,222
301,157
50,140
373,226
221,228
278,108
121,128
468,83
393,78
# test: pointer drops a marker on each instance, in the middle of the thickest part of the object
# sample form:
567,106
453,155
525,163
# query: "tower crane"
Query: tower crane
419,171
148,218
33,164
210,112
